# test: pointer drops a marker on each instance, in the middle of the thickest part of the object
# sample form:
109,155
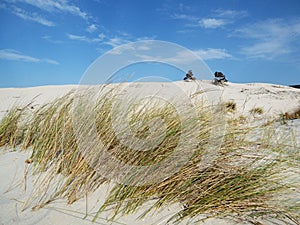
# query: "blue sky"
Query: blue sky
46,42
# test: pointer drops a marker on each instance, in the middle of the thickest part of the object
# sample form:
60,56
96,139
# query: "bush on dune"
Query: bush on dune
292,115
241,182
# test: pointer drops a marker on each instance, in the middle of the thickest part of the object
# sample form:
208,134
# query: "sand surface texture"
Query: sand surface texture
16,179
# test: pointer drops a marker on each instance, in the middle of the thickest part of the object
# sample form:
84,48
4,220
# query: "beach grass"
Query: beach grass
256,111
241,182
230,106
11,130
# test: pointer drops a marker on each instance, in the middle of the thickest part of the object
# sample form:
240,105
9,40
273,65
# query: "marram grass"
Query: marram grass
11,131
242,182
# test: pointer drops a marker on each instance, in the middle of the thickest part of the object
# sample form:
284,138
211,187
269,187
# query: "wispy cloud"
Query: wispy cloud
62,6
111,40
267,50
212,23
180,57
178,12
10,54
32,17
184,17
164,52
84,38
50,39
222,17
215,19
56,5
212,53
92,28
124,38
116,41
50,61
169,7
227,13
270,38
79,37
130,46
35,17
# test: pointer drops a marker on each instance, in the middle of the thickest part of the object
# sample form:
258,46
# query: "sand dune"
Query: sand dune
274,99
15,187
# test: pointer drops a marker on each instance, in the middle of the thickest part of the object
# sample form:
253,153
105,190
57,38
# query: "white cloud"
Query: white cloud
55,5
10,54
270,38
217,18
267,50
28,15
84,38
170,7
184,17
270,29
92,28
101,36
164,52
50,39
173,55
132,47
50,6
116,41
78,37
50,61
212,22
33,17
212,53
184,7
180,57
113,41
227,13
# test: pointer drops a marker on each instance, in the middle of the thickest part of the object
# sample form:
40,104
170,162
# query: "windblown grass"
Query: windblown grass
11,131
241,182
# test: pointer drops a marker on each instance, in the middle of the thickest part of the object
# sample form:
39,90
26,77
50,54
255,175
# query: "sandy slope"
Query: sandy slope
274,99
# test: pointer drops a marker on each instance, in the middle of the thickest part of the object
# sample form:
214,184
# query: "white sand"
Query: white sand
273,99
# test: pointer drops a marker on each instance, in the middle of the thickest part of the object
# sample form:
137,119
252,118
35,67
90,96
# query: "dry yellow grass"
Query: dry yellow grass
241,182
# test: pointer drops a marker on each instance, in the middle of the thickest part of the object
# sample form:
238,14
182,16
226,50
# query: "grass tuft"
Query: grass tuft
230,106
256,111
